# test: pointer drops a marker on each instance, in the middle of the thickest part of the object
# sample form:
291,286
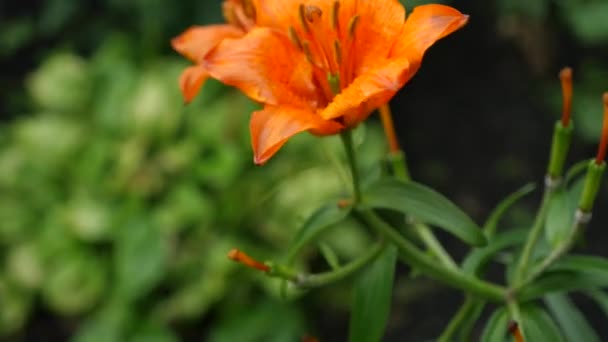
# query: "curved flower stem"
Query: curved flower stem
429,266
320,279
457,320
400,169
534,235
347,140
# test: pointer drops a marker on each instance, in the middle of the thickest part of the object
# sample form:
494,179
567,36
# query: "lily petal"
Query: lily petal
273,126
426,25
379,24
368,92
191,80
266,66
195,42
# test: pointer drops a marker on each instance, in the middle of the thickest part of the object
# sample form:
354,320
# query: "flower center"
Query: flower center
326,47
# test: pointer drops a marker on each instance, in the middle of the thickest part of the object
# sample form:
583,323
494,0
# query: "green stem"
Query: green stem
321,279
347,140
534,235
424,232
429,266
461,315
557,253
430,241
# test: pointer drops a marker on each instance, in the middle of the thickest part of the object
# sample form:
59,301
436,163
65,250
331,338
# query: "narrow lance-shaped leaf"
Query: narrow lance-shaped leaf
560,216
499,211
424,204
496,328
322,219
572,322
539,327
372,298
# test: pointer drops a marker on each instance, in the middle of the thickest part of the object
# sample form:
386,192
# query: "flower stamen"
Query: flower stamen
302,18
565,76
352,26
249,9
312,14
335,9
337,52
248,261
601,152
295,39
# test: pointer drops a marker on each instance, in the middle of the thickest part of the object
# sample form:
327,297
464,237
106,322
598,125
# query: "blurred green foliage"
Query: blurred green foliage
119,203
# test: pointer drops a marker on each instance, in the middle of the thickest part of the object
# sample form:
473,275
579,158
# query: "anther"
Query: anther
352,26
306,49
601,153
337,52
295,39
335,12
246,260
302,17
565,76
313,13
229,13
249,9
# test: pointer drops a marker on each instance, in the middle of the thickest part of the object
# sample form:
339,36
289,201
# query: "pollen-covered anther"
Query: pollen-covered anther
312,14
335,15
248,261
295,39
565,77
352,26
249,9
307,53
337,52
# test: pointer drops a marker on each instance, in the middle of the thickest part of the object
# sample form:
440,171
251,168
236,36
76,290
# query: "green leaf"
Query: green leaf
496,328
426,205
497,214
560,216
322,219
372,298
141,259
272,322
469,323
538,325
558,281
601,298
576,170
476,261
572,322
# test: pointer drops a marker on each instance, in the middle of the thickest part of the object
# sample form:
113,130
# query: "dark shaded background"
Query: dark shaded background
475,123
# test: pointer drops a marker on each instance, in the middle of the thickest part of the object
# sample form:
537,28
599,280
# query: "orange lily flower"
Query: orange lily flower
197,41
324,66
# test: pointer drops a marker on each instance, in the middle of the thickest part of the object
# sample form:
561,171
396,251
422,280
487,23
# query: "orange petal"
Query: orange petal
368,92
380,23
191,80
266,66
272,126
426,25
195,42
